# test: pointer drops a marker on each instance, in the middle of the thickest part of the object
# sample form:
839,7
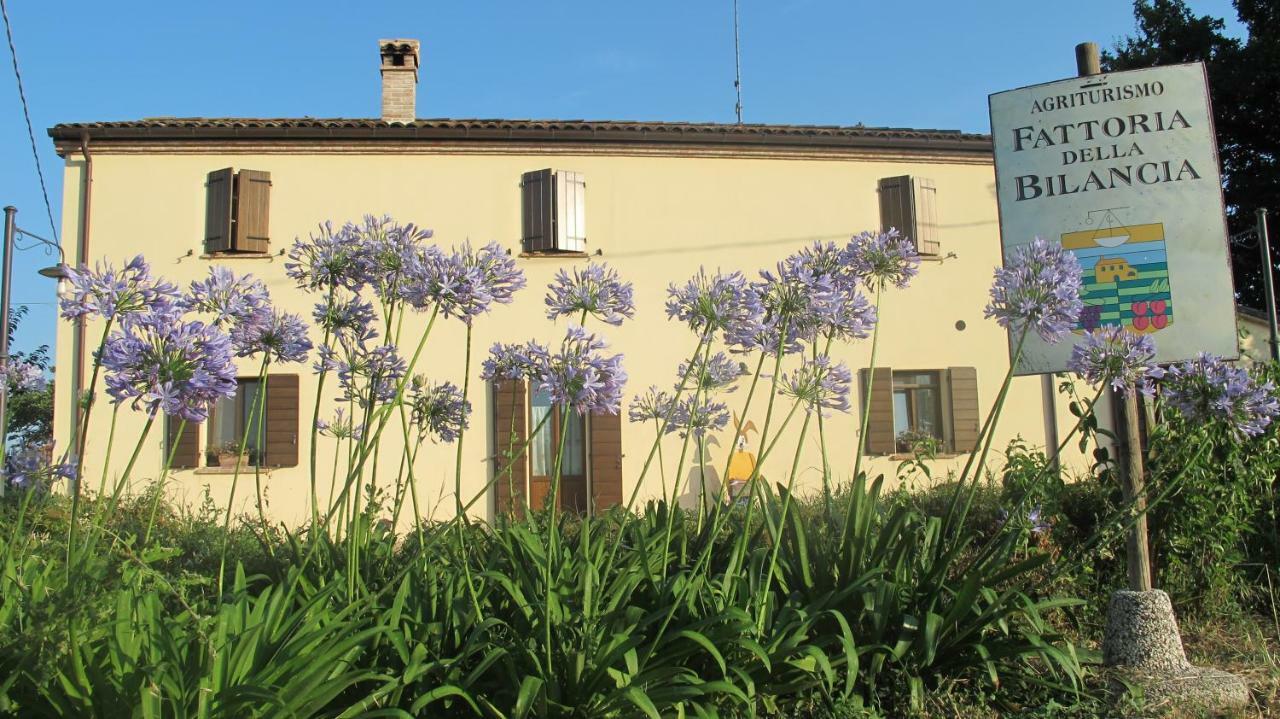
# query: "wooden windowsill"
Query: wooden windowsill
239,256
556,253
231,470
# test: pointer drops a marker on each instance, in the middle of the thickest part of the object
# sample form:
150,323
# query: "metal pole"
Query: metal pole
6,275
737,65
1268,282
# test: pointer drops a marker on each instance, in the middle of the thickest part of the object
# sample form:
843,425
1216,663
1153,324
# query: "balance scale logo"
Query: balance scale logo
1125,274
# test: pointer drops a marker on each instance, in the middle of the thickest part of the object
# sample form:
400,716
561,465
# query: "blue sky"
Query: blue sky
900,64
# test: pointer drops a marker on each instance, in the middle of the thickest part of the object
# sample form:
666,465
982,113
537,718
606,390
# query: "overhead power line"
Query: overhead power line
26,113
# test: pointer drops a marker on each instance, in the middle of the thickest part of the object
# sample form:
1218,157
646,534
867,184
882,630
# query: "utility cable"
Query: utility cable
26,113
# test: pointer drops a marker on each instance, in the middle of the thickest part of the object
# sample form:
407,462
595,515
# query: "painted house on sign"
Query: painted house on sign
655,200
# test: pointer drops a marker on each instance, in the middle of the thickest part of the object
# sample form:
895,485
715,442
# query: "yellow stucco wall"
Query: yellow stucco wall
1255,337
655,217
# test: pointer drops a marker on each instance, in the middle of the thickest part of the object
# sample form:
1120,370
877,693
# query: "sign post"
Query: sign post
1137,552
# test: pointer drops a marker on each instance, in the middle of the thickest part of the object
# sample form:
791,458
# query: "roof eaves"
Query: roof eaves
490,130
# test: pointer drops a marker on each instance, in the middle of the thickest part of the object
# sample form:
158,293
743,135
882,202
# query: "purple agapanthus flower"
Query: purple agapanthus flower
30,468
1207,390
226,298
718,374
881,259
326,360
1038,288
594,291
282,336
163,363
819,384
1036,522
653,405
581,376
836,308
349,318
715,303
515,361
329,260
110,294
370,376
439,409
340,427
822,259
791,299
1112,354
388,252
696,416
464,283
25,376
846,314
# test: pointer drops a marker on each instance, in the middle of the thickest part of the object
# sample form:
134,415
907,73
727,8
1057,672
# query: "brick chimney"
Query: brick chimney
399,79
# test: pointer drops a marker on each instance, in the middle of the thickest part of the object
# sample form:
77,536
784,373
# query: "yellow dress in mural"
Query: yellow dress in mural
742,464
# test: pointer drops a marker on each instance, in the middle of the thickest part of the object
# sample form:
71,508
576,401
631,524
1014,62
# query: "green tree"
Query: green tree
30,410
1244,83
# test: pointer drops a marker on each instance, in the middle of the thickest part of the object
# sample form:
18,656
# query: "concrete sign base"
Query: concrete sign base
1144,647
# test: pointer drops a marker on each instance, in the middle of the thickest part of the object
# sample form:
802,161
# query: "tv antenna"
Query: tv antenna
737,65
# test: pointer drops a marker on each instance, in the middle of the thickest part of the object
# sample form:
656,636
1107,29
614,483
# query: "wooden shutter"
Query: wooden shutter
605,456
571,211
282,421
909,205
537,211
965,420
217,223
253,204
508,436
925,195
880,437
187,453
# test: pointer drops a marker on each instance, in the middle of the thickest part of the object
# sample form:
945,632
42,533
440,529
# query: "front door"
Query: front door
543,449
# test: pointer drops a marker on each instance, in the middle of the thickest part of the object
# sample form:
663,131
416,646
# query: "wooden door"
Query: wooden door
557,427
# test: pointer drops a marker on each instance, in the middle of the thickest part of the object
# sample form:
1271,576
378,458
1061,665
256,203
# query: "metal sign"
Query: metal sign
1122,169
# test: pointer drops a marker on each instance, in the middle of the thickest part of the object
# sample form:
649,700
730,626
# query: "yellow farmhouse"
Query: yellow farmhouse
654,200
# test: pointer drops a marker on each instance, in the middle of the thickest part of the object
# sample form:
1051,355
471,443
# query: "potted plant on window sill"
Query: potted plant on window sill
227,455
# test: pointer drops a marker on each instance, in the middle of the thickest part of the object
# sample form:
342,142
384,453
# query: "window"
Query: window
215,444
910,407
909,205
590,470
237,212
917,409
553,212
234,420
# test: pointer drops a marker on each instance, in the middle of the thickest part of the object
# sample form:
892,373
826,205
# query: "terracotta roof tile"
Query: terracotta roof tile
307,128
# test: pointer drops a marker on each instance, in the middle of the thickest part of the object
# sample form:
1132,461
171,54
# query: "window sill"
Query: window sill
230,470
899,457
555,253
238,256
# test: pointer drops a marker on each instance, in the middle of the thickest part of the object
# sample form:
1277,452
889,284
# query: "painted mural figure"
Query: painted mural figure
742,464
1126,277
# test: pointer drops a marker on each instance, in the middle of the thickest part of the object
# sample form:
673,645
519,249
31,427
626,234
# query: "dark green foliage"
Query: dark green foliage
1218,527
614,617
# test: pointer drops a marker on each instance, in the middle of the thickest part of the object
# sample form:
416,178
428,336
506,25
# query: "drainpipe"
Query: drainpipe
82,258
